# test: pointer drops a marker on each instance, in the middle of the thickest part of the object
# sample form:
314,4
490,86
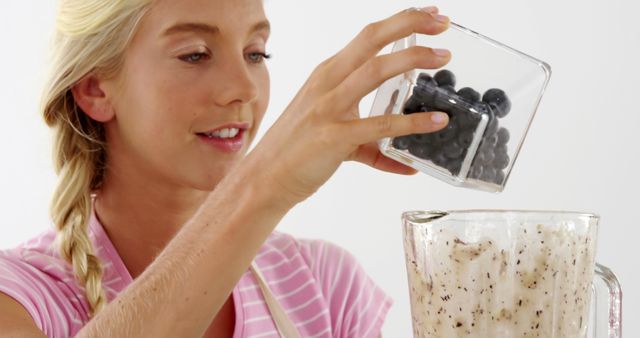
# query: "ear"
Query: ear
91,98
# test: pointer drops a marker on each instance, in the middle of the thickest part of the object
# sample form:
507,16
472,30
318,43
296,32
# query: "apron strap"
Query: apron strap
285,326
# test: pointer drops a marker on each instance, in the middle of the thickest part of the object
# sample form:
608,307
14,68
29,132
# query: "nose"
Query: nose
236,83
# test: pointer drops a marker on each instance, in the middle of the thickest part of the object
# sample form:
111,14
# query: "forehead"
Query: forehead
227,15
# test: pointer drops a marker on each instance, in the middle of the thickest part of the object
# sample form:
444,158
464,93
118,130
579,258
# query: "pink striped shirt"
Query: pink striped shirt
322,288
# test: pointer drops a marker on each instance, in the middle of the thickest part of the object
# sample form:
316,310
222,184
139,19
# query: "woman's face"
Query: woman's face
192,91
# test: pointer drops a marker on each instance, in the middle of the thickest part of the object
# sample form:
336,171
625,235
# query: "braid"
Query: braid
71,209
91,37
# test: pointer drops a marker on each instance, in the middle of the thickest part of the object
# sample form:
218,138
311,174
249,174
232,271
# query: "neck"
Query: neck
141,218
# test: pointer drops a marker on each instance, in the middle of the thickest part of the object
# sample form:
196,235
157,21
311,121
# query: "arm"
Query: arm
15,320
183,289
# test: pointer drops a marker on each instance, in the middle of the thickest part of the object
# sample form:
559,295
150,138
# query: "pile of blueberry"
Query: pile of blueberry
448,147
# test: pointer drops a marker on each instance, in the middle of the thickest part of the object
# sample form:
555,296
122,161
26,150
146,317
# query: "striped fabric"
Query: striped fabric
321,287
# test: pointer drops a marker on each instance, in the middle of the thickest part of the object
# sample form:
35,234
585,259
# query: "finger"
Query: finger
370,129
377,35
429,9
377,70
370,155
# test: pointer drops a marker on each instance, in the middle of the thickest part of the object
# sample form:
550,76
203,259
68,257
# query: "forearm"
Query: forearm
181,291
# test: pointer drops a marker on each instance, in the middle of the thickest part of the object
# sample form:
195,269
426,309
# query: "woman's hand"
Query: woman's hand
322,127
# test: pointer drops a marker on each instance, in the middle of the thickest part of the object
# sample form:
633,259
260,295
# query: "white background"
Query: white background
581,153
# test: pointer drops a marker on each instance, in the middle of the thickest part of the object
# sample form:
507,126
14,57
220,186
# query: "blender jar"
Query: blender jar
508,273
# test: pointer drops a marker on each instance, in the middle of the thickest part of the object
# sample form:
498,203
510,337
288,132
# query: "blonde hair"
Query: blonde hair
91,37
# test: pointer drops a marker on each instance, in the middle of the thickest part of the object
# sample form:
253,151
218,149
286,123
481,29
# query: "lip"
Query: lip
226,145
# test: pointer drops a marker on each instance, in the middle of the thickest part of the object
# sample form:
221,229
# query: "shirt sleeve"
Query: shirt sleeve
357,305
38,293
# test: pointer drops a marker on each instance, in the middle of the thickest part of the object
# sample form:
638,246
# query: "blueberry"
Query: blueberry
401,142
421,139
453,150
495,95
498,100
445,77
484,147
501,149
421,151
454,166
468,120
448,133
424,95
439,159
481,108
465,138
449,89
499,110
469,94
454,117
503,136
501,161
442,100
460,121
412,105
488,156
419,94
490,140
488,174
425,80
459,109
476,171
479,159
492,126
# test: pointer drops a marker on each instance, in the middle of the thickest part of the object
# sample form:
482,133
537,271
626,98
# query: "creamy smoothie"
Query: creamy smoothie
533,283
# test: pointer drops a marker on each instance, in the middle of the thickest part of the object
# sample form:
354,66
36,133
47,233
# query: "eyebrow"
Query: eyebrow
209,29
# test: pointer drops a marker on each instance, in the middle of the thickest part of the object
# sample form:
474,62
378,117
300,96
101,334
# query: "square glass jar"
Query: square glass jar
491,93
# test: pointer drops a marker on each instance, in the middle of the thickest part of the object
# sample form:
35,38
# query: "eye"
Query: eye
194,57
258,57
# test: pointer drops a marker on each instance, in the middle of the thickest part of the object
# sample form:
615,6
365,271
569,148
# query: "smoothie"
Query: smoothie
533,283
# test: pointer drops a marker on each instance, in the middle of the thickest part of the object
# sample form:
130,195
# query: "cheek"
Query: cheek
149,112
168,103
157,92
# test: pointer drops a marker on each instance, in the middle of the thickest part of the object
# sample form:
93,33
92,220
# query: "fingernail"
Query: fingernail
430,9
441,52
441,18
439,117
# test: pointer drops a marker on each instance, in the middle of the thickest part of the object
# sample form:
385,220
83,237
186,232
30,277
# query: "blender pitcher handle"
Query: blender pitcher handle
607,291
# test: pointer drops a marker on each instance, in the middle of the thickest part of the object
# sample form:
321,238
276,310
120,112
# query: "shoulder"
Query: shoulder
355,304
316,254
319,260
328,262
43,283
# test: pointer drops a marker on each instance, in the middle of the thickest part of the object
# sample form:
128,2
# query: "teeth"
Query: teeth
224,133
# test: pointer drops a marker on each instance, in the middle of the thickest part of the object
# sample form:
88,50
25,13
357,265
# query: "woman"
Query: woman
163,226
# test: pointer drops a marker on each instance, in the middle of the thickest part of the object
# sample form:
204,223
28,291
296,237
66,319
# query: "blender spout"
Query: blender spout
424,216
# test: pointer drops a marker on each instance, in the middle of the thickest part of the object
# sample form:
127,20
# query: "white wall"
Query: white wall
581,153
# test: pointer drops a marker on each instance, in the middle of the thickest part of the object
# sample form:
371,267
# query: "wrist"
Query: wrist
260,178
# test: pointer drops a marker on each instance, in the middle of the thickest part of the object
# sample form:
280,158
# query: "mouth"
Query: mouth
226,133
228,138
